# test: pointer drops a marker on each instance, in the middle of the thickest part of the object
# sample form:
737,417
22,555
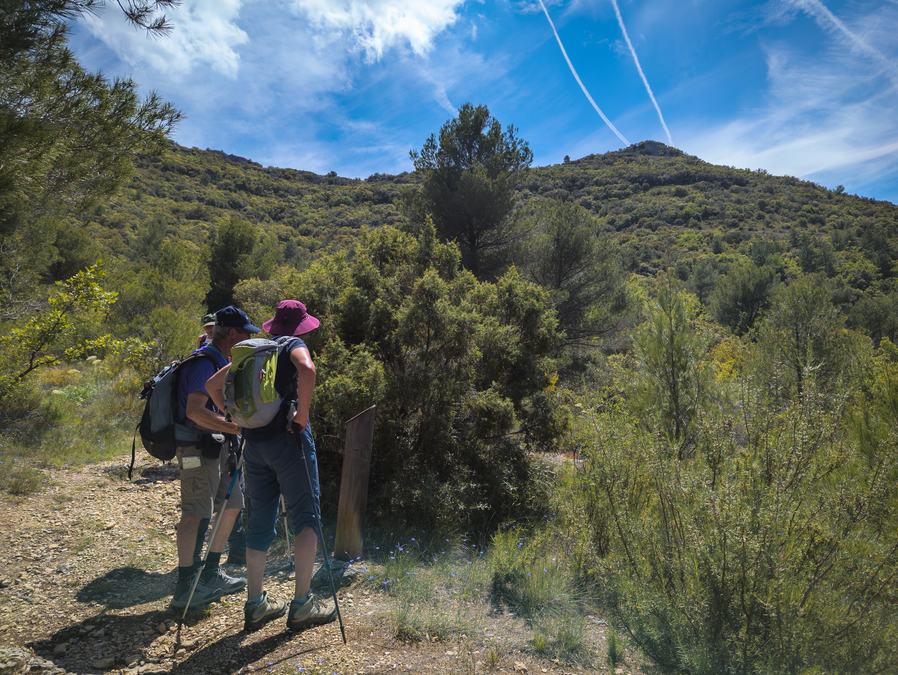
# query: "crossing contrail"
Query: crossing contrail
579,81
623,29
823,15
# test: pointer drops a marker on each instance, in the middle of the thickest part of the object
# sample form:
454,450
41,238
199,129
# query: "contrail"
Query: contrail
822,13
579,81
623,29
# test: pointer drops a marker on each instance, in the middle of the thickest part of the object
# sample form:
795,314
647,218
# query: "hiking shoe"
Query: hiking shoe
257,614
313,611
225,583
202,595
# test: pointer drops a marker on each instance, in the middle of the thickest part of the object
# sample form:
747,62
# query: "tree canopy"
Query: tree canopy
67,139
469,176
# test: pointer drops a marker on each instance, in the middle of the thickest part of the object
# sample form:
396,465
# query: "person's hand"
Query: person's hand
299,422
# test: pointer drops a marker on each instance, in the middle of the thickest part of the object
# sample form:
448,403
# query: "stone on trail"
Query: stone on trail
104,663
21,660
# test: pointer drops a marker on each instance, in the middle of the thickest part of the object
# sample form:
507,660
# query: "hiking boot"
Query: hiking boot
202,595
312,612
257,614
224,583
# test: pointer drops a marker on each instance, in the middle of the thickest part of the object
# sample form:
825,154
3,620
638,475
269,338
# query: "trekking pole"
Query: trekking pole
320,532
286,528
196,577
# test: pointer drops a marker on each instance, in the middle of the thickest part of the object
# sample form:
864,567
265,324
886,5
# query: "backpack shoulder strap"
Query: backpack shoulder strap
205,352
285,342
199,354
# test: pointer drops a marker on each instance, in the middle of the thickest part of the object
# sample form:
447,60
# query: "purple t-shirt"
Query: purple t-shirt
193,375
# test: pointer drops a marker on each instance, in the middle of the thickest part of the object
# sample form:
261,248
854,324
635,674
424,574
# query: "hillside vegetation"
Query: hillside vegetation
662,204
662,208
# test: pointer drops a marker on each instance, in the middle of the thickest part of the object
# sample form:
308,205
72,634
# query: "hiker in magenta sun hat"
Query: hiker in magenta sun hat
280,461
290,318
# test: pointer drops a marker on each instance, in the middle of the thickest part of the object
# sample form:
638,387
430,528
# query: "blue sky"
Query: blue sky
807,88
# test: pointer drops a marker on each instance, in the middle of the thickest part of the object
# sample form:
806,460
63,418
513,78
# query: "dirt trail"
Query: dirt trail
86,573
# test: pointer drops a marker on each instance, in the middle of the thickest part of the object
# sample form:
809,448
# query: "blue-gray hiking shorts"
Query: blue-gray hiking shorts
274,467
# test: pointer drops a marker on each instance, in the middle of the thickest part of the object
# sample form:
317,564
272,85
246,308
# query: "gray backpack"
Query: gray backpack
157,424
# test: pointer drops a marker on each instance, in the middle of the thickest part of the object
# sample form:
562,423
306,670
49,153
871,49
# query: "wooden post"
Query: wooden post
354,485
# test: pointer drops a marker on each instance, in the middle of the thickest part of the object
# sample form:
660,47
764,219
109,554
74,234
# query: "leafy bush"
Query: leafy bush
671,381
66,327
741,295
770,548
457,368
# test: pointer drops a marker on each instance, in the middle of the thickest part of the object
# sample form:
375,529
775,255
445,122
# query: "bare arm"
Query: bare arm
215,387
305,384
205,419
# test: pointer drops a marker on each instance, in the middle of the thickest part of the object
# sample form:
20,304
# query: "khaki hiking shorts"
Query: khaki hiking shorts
204,483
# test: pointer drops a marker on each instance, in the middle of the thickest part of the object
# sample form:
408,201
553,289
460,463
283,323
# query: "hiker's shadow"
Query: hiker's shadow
153,473
76,648
126,587
229,654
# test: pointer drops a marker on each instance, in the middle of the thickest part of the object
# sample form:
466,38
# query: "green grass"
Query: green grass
19,478
458,592
65,417
83,543
562,637
438,597
426,622
530,577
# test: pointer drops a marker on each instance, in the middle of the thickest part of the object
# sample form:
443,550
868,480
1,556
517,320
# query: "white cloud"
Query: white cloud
205,33
824,114
264,78
375,26
831,23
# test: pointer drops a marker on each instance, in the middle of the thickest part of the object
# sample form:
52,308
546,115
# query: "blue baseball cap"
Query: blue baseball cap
234,317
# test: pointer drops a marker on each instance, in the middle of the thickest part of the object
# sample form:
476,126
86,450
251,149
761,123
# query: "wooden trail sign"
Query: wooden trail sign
354,485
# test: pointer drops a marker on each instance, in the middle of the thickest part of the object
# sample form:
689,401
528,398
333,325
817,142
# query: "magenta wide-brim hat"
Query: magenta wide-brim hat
290,318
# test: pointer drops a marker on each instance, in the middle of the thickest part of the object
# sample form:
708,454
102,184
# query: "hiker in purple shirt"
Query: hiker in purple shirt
203,461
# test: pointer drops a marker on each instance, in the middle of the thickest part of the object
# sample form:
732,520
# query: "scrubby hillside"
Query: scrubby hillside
661,202
663,208
665,204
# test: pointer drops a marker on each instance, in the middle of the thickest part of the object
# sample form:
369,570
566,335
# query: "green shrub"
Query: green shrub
773,548
456,367
742,294
67,416
19,478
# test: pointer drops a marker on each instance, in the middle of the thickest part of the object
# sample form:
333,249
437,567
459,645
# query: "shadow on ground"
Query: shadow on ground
101,642
154,473
127,586
229,654
344,574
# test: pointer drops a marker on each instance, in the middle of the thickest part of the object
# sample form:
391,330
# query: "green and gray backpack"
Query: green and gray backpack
250,394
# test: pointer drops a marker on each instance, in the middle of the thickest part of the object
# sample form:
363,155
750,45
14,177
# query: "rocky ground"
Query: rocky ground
86,573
